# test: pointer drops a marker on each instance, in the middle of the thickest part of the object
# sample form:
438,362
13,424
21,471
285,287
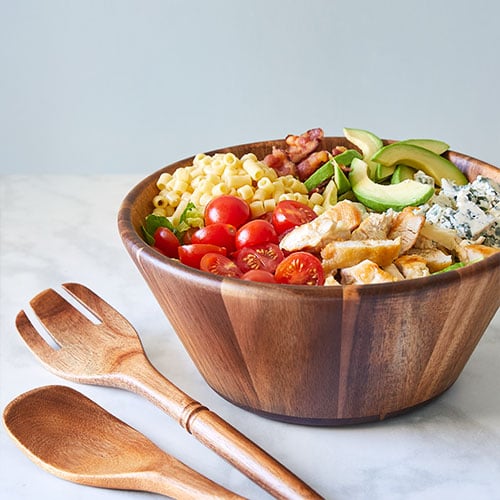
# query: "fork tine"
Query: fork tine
99,307
33,339
87,298
63,321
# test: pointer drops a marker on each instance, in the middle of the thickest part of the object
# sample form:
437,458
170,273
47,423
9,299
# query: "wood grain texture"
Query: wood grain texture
108,352
73,438
320,355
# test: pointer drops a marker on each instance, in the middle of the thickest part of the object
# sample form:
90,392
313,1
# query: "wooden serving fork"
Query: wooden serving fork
110,353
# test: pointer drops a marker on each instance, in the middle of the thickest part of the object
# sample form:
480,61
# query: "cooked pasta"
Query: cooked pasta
253,169
210,176
163,180
257,208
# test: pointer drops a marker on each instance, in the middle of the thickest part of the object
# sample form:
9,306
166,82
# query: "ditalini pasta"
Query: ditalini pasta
224,173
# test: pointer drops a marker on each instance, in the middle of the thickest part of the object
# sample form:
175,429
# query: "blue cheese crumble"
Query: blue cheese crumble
473,210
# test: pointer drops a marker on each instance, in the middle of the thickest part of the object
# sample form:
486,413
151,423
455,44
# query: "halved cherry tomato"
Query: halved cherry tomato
258,275
191,254
300,268
265,257
289,214
166,242
255,232
219,264
219,234
227,209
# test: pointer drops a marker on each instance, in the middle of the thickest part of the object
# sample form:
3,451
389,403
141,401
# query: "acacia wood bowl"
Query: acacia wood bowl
319,355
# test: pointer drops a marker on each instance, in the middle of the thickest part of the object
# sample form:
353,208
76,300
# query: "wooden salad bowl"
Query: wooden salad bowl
319,355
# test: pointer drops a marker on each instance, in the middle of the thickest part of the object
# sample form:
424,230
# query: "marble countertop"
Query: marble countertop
56,229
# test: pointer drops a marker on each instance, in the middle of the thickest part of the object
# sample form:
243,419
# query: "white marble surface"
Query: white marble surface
63,228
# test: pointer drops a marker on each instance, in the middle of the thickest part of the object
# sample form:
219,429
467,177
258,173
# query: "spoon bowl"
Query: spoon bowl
70,436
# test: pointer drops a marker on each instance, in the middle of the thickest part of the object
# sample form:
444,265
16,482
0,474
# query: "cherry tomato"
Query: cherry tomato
300,268
166,242
228,210
289,214
264,257
217,263
258,275
218,233
191,254
255,232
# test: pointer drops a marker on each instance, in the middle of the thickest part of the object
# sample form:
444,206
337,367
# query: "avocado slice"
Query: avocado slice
368,143
330,194
341,180
420,158
382,172
325,172
380,197
346,157
438,147
401,173
319,176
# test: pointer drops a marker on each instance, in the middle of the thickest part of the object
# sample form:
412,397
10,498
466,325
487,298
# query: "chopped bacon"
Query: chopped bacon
308,166
278,160
338,150
301,146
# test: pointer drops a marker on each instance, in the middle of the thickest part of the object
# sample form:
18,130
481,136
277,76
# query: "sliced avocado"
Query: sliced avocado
382,172
325,172
438,147
380,197
422,159
368,143
341,180
346,157
319,176
401,173
330,194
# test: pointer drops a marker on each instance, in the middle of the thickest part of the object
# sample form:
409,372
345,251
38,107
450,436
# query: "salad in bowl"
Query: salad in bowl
304,214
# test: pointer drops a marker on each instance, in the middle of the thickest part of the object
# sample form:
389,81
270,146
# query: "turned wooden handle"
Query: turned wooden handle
141,377
248,457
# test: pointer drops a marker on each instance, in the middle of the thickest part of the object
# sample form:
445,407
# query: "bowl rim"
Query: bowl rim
137,245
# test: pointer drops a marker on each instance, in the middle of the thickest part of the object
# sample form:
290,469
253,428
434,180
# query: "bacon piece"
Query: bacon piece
308,166
301,146
278,160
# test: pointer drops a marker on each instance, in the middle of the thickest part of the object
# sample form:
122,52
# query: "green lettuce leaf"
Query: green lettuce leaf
151,224
190,217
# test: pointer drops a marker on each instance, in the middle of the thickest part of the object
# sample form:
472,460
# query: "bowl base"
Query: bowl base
332,422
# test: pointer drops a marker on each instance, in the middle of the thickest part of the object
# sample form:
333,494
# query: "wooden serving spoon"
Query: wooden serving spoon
72,437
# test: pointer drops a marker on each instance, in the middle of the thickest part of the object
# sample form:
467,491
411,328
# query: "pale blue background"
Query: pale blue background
128,86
